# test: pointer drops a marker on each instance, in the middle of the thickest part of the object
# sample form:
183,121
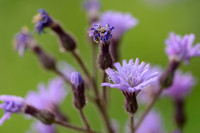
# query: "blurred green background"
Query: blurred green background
156,19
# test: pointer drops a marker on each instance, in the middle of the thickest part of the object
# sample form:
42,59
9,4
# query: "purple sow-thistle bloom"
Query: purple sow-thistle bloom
42,20
130,78
101,34
23,40
49,98
180,48
10,105
78,88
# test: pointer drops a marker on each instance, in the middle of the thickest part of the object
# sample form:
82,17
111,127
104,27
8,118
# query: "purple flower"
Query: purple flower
181,48
101,33
152,124
22,40
181,87
130,77
78,87
43,128
42,20
10,105
48,98
121,22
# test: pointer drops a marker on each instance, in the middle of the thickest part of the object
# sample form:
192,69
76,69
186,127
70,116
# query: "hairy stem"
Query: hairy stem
105,89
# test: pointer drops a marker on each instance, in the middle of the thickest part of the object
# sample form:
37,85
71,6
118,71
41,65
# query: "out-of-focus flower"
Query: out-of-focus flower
130,77
121,22
180,48
92,7
49,98
78,87
22,40
152,124
181,87
10,105
42,20
101,33
43,128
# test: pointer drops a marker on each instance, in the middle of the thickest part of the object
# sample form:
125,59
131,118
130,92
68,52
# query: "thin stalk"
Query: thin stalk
148,108
85,121
105,117
94,61
70,126
132,123
89,78
105,89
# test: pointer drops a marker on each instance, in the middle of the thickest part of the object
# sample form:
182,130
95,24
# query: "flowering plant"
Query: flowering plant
137,80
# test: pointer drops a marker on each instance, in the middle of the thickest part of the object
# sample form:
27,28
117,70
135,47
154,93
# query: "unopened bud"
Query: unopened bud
66,40
78,87
166,78
46,60
42,115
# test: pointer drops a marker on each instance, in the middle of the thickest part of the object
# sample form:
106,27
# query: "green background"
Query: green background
146,41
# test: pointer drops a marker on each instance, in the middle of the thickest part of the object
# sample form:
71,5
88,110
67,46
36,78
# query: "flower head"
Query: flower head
181,47
121,22
10,105
42,20
22,40
152,124
130,77
101,33
48,98
181,87
78,87
43,128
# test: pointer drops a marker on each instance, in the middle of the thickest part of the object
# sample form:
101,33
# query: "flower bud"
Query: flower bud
66,40
42,115
46,61
166,78
78,88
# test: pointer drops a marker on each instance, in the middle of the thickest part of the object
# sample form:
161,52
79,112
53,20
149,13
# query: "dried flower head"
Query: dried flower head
42,20
121,21
100,33
22,40
180,48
